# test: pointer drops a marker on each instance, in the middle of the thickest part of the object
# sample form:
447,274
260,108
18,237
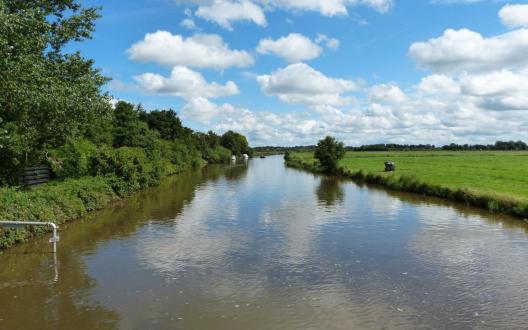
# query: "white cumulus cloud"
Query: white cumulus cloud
465,50
203,110
225,12
455,2
389,93
438,109
438,83
301,84
514,16
330,7
331,43
200,50
293,48
188,23
475,91
502,90
186,83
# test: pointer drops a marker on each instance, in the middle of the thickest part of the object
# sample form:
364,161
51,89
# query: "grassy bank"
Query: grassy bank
56,202
65,200
497,181
86,179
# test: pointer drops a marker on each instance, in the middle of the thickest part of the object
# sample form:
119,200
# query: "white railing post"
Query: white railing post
15,224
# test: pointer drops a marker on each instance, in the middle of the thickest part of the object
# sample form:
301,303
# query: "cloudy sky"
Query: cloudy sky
289,72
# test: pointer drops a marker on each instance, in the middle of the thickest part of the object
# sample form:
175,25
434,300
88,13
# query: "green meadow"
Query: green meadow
502,175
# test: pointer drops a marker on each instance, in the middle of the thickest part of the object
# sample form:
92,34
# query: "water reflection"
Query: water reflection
330,192
257,245
31,299
234,172
476,274
45,291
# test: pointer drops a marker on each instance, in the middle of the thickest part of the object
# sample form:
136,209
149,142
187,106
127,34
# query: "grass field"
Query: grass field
502,175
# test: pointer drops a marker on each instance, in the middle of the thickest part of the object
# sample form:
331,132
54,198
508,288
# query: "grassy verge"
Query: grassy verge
88,177
56,202
65,200
493,181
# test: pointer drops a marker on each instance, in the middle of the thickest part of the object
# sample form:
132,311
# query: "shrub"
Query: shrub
184,155
74,158
217,155
127,169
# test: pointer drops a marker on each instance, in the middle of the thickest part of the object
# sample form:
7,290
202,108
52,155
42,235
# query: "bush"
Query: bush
328,153
127,169
184,155
73,159
217,155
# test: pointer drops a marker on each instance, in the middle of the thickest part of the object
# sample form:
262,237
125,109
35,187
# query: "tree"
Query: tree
213,139
166,122
46,96
235,142
328,152
129,130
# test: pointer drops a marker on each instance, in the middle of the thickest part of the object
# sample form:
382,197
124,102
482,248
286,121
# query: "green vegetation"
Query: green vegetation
497,181
328,152
57,202
497,146
53,111
47,96
237,143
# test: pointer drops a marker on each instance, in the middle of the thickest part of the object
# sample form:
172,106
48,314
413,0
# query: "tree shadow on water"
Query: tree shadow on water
330,192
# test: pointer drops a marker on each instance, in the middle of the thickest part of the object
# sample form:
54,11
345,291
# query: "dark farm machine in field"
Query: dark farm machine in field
390,166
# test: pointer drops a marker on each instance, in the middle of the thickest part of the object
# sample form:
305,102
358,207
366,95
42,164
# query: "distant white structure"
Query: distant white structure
233,158
245,156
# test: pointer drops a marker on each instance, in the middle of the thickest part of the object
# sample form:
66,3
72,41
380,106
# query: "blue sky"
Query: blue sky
287,72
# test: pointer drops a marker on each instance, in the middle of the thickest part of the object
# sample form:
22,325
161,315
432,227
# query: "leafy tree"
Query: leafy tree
213,139
129,130
235,142
211,149
328,152
46,95
166,122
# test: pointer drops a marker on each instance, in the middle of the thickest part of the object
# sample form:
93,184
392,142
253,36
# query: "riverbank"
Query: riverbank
493,181
62,201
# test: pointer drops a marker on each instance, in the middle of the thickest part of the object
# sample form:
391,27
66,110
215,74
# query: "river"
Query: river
262,246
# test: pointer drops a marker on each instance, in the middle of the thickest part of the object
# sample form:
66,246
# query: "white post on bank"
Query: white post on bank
18,224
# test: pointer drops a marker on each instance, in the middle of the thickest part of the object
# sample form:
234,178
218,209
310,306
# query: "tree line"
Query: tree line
53,107
497,146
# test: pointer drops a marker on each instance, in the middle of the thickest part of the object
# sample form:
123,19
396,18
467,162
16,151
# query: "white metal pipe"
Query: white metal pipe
53,240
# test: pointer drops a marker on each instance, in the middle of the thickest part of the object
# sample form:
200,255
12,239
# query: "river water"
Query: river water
261,246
